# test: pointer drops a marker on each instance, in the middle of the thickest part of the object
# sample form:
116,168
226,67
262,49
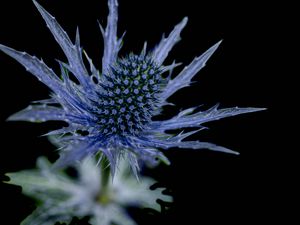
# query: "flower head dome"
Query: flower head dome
111,112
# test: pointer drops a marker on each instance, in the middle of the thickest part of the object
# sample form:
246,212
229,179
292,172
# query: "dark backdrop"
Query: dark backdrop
208,187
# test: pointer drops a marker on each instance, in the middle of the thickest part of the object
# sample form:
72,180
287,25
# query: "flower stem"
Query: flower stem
103,196
105,169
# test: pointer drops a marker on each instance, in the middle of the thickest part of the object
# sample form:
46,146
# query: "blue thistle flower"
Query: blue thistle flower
60,197
111,112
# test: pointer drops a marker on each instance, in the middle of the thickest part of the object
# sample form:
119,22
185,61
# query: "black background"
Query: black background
208,187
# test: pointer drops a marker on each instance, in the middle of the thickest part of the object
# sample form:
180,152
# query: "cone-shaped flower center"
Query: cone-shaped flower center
129,95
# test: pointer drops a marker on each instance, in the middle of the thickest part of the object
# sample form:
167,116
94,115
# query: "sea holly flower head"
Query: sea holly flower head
111,111
61,197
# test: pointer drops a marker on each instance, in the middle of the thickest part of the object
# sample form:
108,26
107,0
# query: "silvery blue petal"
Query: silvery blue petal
175,143
184,78
162,50
39,113
111,43
37,67
189,119
72,52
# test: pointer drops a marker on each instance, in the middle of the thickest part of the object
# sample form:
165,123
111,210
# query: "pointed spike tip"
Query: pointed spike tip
114,2
7,50
77,37
252,109
258,109
185,20
214,47
37,5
